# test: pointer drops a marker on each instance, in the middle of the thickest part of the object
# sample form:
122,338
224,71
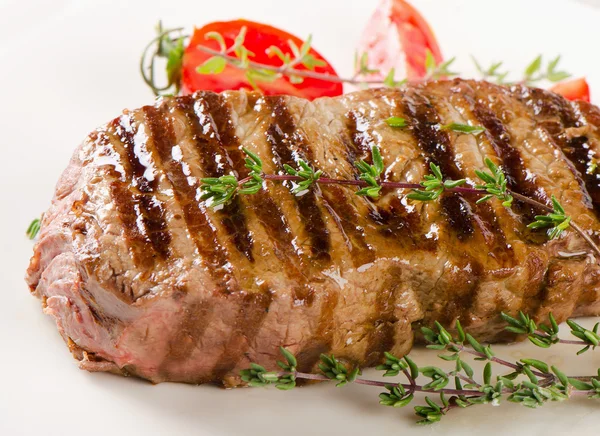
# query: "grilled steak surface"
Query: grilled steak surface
143,279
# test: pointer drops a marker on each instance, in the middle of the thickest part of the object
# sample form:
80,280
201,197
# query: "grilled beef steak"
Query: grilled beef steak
143,279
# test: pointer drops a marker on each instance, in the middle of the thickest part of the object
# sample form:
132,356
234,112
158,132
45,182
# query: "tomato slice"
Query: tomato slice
577,89
397,36
259,37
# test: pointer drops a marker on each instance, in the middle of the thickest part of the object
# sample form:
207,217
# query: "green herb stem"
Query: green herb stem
361,183
533,389
367,382
287,69
493,358
548,209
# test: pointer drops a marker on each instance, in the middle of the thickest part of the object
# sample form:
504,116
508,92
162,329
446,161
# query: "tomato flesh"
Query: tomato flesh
259,37
397,36
577,89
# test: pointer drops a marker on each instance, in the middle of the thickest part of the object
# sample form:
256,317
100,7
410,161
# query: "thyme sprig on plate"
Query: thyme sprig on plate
530,382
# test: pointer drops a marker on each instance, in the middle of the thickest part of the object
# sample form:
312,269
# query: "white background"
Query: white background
68,66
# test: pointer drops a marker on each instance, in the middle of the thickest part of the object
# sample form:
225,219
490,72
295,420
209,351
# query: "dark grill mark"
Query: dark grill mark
194,321
269,214
211,123
436,145
582,156
557,115
144,204
322,339
253,309
288,147
160,130
461,289
381,337
395,221
401,225
455,209
512,163
347,219
361,140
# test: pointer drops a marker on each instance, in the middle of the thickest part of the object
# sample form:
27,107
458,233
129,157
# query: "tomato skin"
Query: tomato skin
577,89
259,37
397,36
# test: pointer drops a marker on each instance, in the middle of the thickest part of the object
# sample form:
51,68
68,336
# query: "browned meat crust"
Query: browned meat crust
143,279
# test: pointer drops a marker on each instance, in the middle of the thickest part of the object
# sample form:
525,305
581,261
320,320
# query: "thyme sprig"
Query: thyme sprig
491,73
218,191
239,57
546,335
434,185
495,184
370,174
435,71
307,175
530,382
34,228
301,64
170,48
556,221
534,73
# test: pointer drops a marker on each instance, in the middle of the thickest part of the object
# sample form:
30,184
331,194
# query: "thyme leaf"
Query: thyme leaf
532,382
434,185
556,222
34,228
464,128
370,174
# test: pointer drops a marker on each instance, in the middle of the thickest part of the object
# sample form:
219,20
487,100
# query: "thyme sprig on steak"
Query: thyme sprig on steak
530,382
219,191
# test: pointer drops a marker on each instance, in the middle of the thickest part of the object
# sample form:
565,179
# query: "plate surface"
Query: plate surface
68,66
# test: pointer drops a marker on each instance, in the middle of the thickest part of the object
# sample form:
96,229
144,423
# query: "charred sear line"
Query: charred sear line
395,220
269,214
252,311
455,208
511,160
532,302
210,120
382,325
583,157
126,205
462,289
361,140
288,146
143,203
322,339
557,115
161,134
195,319
401,225
435,143
347,219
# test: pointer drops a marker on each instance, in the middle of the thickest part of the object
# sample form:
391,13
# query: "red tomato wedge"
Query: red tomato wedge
397,36
576,89
259,37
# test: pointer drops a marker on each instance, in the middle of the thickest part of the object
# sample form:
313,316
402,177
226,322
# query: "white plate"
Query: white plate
68,66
